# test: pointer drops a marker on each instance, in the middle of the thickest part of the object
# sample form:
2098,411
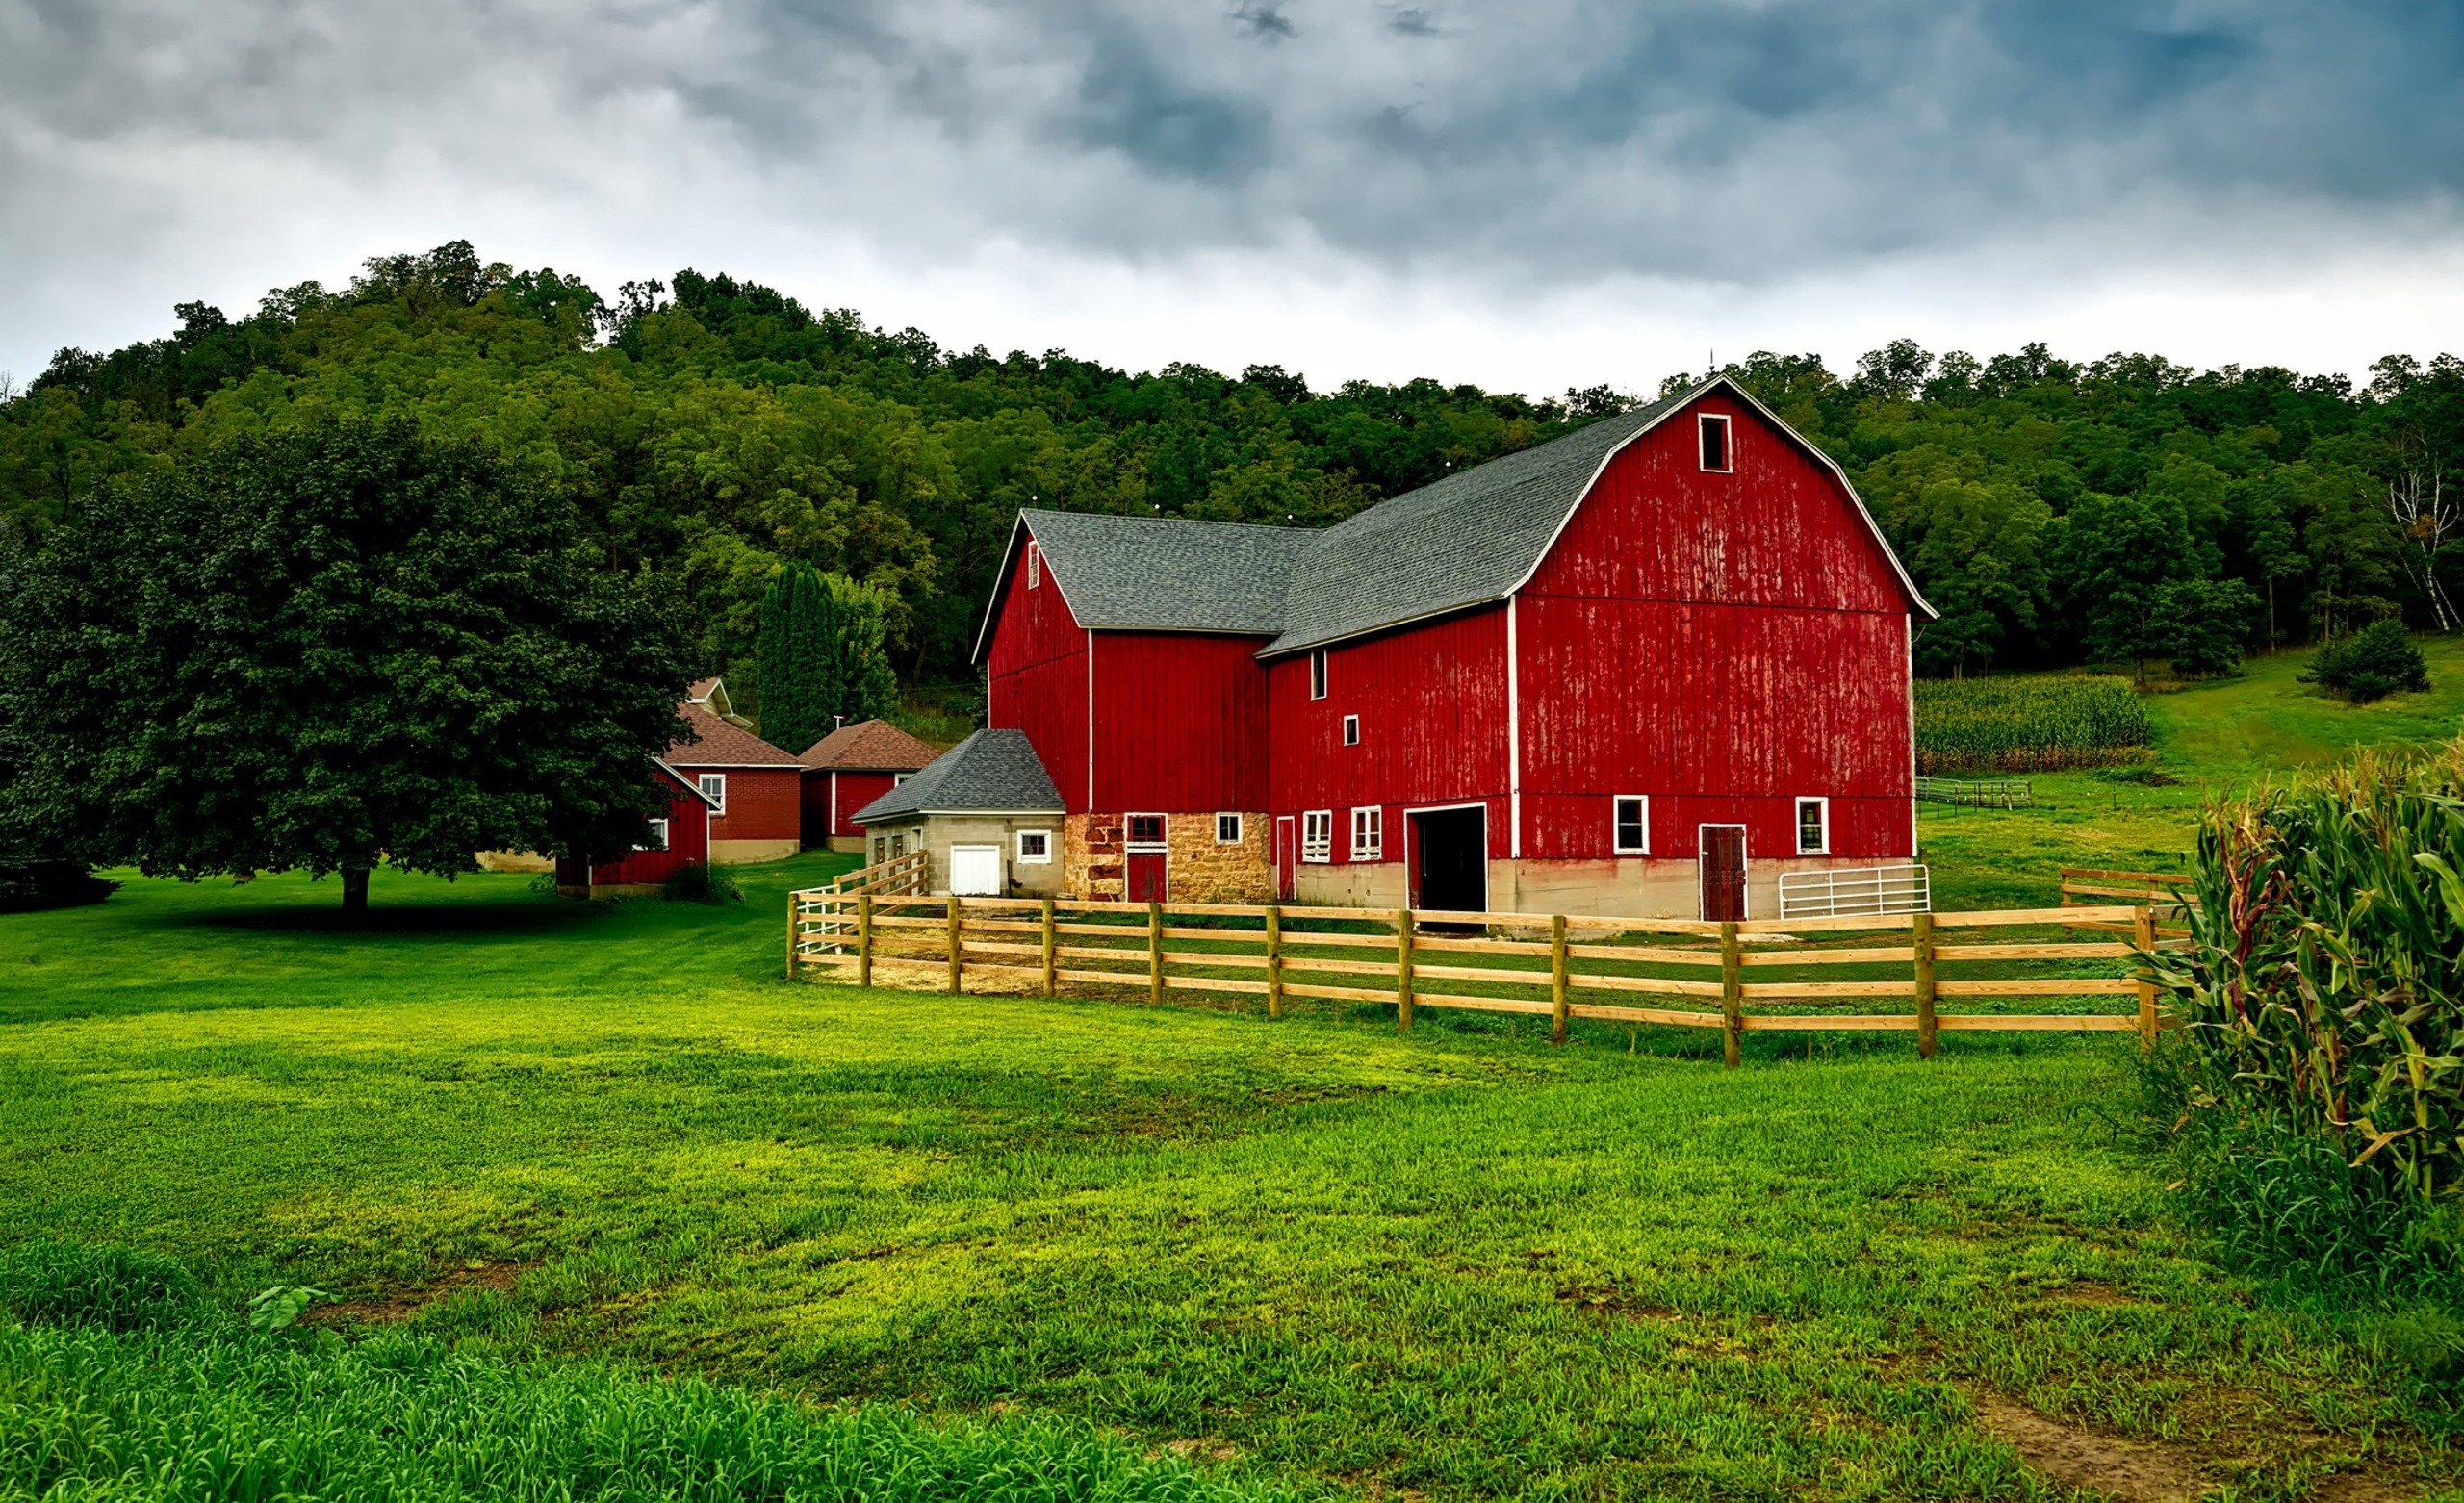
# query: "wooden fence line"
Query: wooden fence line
1560,966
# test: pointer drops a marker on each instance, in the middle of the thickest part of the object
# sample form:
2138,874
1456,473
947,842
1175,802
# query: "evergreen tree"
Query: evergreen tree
798,674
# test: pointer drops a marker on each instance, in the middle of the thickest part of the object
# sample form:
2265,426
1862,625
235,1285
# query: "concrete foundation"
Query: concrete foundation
744,852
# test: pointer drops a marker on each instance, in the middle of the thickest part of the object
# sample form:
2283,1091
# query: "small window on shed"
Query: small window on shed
1715,442
1035,847
1633,825
1352,730
1035,567
1813,826
1227,829
1318,674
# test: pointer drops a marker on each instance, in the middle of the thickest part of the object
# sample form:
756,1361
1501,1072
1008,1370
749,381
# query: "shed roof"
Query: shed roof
869,746
991,771
723,745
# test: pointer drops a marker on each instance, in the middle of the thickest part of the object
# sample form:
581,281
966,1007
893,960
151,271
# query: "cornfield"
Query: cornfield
2322,1000
2027,725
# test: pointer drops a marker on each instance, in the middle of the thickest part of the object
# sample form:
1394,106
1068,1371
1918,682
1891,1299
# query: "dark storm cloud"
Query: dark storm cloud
1546,140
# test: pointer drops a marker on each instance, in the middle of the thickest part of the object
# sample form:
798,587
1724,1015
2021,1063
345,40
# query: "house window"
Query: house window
657,840
1318,835
1715,444
1035,567
714,787
1318,674
1633,825
1147,829
1227,829
1813,826
1368,834
1035,847
1352,730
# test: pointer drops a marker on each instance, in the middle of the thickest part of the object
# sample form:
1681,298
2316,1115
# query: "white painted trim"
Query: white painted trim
1745,869
1352,730
1616,799
1796,823
833,830
695,788
746,767
1240,826
1915,848
1090,720
1018,841
1351,849
718,803
1513,737
1410,868
1727,442
1306,815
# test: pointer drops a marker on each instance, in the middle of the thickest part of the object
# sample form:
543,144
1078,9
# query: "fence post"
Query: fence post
1275,960
1403,969
1051,982
864,939
1925,1027
1557,978
958,967
2144,929
1731,993
1154,955
793,899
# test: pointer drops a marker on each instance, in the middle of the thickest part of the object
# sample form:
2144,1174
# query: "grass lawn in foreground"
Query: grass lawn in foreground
1457,1263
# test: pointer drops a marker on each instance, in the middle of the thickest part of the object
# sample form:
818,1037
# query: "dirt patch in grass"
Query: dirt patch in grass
404,1304
2134,1471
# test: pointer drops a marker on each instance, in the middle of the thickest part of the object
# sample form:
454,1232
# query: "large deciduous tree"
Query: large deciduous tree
328,647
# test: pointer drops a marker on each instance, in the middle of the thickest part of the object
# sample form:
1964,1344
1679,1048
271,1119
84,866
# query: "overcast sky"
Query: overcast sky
1531,195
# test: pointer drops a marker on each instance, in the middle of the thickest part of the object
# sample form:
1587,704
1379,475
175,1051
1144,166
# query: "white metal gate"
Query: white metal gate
1863,889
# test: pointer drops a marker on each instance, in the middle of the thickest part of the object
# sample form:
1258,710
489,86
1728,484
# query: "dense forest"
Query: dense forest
2117,511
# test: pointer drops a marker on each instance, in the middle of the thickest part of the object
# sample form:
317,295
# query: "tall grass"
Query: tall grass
2037,724
2320,1078
187,1402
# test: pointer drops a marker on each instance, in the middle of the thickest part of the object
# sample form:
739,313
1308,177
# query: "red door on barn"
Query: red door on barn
1146,866
1287,859
1723,872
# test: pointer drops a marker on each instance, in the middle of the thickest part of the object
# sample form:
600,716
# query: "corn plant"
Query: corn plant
2032,724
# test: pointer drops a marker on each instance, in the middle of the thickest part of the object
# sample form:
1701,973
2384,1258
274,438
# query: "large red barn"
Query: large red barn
1643,669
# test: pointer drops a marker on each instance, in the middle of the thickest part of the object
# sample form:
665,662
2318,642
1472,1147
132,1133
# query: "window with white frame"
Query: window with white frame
1318,674
1716,454
714,787
1632,825
1145,830
1035,847
1227,829
1352,730
657,840
1318,835
1367,834
1035,567
1813,826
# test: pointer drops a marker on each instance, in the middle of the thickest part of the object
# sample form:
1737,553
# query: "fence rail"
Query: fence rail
1891,971
2166,893
1996,793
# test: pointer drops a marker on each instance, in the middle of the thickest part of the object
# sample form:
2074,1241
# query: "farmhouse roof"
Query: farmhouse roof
990,771
723,745
871,746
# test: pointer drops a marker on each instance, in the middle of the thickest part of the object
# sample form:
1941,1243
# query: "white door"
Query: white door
975,871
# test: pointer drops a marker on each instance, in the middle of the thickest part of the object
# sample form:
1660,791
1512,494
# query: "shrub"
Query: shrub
698,881
2318,1077
2030,724
27,883
2373,663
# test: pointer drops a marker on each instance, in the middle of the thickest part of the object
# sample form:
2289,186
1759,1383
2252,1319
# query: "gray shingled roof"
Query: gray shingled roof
1169,573
989,771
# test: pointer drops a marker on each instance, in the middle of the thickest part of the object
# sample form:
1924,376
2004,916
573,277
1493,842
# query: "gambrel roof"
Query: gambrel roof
992,771
1467,539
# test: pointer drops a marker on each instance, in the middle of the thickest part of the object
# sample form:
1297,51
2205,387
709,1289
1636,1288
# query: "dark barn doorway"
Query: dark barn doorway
1451,859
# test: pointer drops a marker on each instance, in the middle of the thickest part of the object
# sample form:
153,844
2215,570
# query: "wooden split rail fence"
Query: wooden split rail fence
2166,893
1739,977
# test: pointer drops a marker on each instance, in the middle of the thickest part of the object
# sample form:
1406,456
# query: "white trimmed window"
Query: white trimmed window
1035,847
1631,827
1352,730
1035,567
1318,835
657,840
1227,829
1813,826
1318,674
714,787
1367,834
1717,456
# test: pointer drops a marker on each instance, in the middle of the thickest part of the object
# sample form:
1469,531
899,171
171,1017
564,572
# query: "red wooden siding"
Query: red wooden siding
1722,643
1431,702
854,791
1037,680
1180,723
763,802
688,842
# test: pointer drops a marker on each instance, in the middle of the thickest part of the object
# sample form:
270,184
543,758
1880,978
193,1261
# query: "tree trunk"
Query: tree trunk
355,890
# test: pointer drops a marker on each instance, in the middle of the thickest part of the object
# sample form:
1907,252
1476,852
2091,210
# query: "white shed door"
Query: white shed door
975,871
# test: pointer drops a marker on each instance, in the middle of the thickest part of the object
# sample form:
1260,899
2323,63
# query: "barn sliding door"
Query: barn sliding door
1723,863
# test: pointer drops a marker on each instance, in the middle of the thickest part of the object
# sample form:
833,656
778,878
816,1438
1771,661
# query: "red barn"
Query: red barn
850,767
756,790
1643,669
677,839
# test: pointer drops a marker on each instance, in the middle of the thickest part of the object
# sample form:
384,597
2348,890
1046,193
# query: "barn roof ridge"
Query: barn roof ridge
989,771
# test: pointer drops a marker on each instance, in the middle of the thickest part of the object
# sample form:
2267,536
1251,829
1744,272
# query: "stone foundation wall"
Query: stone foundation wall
1093,850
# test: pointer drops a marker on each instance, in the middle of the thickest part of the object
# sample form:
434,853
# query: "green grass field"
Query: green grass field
511,1133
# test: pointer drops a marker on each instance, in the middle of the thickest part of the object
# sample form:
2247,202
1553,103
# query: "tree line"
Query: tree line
712,433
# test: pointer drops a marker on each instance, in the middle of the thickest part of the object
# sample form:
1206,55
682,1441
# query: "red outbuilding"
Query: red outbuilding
677,839
850,767
756,790
1645,668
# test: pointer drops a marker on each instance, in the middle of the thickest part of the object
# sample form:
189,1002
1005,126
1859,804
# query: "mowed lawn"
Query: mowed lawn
1455,1263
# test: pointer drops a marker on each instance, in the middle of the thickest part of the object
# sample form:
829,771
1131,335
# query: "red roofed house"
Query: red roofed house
1644,668
677,839
850,767
756,790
